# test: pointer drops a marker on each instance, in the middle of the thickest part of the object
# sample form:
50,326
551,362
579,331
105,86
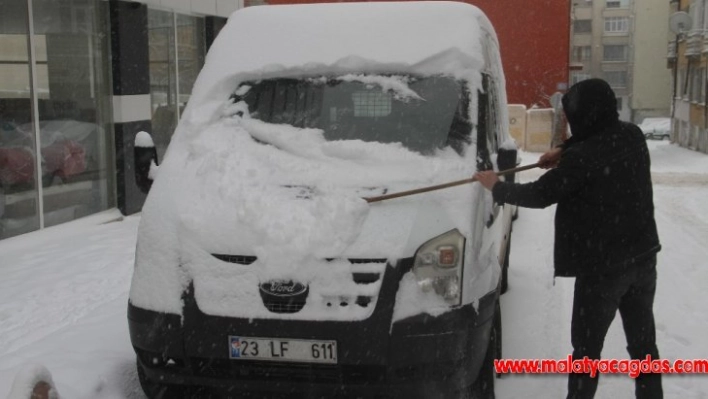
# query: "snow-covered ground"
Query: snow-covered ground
63,297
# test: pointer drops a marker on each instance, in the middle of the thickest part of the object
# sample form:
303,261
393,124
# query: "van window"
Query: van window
494,114
422,113
487,125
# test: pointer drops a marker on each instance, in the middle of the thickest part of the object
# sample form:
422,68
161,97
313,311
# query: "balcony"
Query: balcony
694,44
671,56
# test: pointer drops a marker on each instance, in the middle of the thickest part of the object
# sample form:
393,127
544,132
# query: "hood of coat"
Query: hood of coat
590,106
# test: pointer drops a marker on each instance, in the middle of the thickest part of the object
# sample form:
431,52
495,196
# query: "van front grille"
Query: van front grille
361,275
284,307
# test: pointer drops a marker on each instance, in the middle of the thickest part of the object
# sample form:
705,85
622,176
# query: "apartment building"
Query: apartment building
688,62
617,40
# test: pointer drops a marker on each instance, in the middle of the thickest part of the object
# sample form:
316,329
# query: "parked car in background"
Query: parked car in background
260,270
656,128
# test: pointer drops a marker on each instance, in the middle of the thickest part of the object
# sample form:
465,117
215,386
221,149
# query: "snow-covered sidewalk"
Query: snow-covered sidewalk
63,301
63,297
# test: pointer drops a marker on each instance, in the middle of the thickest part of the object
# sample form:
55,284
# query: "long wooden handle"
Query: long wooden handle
445,185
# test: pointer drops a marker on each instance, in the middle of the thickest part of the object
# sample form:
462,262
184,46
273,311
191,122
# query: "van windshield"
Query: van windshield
422,113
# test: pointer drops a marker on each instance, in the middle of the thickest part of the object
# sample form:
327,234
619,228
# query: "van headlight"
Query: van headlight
438,266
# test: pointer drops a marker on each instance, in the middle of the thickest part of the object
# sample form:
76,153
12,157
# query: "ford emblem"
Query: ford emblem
283,289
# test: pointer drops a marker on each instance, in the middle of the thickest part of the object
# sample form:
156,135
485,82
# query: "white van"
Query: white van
261,270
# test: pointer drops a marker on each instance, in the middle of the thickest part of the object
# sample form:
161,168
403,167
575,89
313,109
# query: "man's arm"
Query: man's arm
556,184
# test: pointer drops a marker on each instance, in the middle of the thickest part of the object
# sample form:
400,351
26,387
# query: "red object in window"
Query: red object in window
64,159
16,166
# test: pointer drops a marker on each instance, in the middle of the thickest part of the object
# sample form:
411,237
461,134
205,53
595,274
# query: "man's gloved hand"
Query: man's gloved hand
550,159
488,178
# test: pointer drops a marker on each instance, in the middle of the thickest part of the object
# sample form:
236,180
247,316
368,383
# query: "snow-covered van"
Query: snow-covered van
260,267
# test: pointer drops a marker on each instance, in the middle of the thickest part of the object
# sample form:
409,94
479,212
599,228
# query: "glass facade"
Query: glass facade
177,49
57,147
56,152
18,185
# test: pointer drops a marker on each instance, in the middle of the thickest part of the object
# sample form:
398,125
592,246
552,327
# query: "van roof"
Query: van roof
260,42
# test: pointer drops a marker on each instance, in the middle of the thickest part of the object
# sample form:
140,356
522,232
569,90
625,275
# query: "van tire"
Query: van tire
483,387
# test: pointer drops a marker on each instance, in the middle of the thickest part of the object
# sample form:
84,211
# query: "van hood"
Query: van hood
337,224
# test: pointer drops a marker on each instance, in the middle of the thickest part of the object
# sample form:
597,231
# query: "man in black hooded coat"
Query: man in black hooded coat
605,233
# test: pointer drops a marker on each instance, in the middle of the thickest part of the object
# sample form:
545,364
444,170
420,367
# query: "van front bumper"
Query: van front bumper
417,357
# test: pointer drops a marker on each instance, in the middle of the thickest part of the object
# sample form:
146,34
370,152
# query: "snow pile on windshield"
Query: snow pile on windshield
293,200
397,84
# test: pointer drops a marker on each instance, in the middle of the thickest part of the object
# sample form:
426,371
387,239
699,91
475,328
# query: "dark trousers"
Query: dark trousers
597,299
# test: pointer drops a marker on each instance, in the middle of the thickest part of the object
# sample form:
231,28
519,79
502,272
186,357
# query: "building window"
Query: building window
616,24
616,79
696,91
177,48
582,53
582,26
704,25
578,77
73,176
617,3
702,90
681,83
615,52
695,10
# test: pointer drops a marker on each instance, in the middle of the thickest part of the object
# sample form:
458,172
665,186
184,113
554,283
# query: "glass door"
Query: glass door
73,92
19,205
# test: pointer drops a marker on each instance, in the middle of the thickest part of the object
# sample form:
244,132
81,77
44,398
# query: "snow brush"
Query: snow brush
445,185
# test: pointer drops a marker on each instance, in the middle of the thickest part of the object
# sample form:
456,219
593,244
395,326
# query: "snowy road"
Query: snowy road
63,297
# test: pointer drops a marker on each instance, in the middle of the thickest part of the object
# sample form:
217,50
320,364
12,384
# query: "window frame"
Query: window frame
582,22
617,4
624,57
487,143
582,53
613,83
696,90
576,77
617,25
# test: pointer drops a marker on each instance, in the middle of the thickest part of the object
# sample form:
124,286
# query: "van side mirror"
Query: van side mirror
145,156
506,159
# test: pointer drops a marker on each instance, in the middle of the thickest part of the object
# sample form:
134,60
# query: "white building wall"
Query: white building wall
651,89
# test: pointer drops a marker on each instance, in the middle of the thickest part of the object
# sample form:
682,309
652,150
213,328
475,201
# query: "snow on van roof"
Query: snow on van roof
260,42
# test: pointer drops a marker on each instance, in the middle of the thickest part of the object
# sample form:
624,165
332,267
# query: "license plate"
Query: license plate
282,349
